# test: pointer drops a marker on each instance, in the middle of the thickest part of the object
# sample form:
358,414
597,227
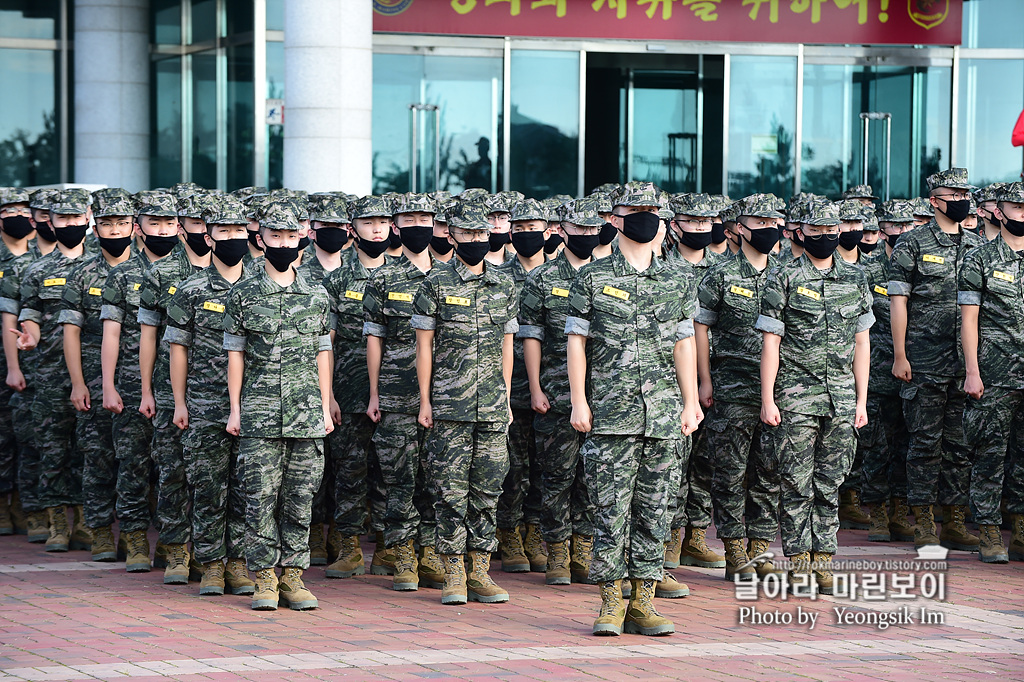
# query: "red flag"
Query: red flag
1018,132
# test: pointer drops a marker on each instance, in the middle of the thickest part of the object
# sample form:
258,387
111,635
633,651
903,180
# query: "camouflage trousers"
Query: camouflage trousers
882,446
812,455
8,443
357,484
566,508
281,475
678,503
60,460
408,487
523,469
218,503
989,430
745,487
631,480
28,456
323,500
133,437
938,459
94,432
468,461
173,493
699,474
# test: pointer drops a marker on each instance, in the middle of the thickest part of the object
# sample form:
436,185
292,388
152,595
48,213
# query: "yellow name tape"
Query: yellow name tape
741,291
808,293
555,291
616,293
95,291
927,258
1,273
215,307
354,295
881,290
135,287
55,282
1005,276
399,296
456,300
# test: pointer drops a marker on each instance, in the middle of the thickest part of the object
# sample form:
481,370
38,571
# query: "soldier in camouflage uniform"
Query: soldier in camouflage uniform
198,376
276,332
351,450
83,338
631,356
728,358
815,316
188,256
133,432
567,519
862,194
925,327
464,314
989,226
498,207
53,417
991,301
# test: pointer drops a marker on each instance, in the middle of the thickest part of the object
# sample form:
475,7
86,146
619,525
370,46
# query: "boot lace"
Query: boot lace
137,543
265,580
454,570
584,546
176,557
60,522
293,576
698,541
557,555
611,599
214,571
533,544
405,557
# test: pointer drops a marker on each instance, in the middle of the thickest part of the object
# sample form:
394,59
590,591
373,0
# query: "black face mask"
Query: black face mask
303,243
230,252
72,235
527,243
281,257
717,233
641,227
957,210
822,246
798,237
497,241
373,249
44,230
763,239
394,240
867,248
331,239
115,246
850,240
252,240
160,246
1014,227
472,252
698,241
17,226
197,242
416,238
441,245
582,245
607,234
552,243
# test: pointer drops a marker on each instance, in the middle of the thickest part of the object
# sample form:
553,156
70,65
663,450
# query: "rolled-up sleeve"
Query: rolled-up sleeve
374,329
577,326
684,329
178,336
770,325
530,331
324,342
71,317
865,321
968,298
234,341
423,322
512,326
150,318
9,306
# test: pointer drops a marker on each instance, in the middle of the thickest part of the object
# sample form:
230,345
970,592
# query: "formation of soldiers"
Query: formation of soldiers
581,384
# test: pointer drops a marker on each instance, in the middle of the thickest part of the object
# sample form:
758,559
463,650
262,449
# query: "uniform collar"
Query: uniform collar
565,268
941,237
622,267
489,274
1005,252
747,269
268,286
838,269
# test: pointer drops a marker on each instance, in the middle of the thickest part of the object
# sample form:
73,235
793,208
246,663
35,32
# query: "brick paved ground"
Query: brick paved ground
63,618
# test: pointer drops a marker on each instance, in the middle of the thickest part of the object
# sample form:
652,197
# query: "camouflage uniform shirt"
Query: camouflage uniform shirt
121,299
520,381
881,381
42,288
81,305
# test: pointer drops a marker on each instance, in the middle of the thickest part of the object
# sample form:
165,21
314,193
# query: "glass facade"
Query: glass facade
989,106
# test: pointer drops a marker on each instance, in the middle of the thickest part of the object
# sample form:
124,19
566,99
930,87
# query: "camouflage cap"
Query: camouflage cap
637,194
316,200
720,202
473,194
246,192
469,215
972,207
609,188
184,189
112,201
897,211
528,209
279,216
870,223
859,192
13,195
227,210
497,203
988,192
372,206
553,209
193,205
582,212
443,209
604,202
731,213
414,203
73,201
954,178
440,196
822,213
42,198
1013,191
697,205
851,210
759,206
155,204
335,210
922,207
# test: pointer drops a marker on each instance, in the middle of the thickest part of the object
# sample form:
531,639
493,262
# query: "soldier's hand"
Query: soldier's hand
16,380
80,398
112,401
335,412
25,340
770,414
704,394
689,421
582,419
234,426
426,418
974,387
181,417
539,403
373,409
860,418
901,369
148,406
328,420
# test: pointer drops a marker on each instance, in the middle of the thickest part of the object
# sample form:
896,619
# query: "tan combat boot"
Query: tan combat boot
801,577
822,567
900,529
924,527
991,549
18,517
533,545
333,541
1016,548
406,569
673,548
613,610
38,526
293,591
695,551
6,520
454,591
737,563
850,513
954,533
160,555
670,588
430,570
236,578
479,586
265,595
581,558
213,579
641,616
513,555
60,533
383,561
317,545
81,535
757,548
176,572
879,530
103,546
137,545
350,559
558,564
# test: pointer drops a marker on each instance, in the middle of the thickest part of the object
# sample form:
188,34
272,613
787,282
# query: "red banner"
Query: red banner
873,22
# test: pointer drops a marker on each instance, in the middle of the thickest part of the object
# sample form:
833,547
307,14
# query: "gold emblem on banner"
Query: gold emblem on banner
928,13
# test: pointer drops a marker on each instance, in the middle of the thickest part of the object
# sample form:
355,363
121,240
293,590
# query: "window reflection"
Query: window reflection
991,92
29,132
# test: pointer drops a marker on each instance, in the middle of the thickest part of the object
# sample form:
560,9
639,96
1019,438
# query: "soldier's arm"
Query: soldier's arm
149,320
234,343
179,334
324,373
71,319
112,314
684,353
30,317
970,284
531,332
577,329
902,267
15,377
424,321
709,300
770,324
375,330
861,371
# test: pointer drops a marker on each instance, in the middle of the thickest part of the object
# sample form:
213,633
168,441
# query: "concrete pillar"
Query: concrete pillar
328,95
111,72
